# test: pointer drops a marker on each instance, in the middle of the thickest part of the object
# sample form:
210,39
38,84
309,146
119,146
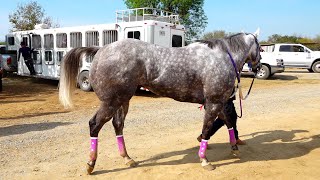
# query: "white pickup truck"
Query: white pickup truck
294,55
270,64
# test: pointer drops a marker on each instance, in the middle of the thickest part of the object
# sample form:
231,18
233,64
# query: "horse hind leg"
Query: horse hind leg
118,124
103,115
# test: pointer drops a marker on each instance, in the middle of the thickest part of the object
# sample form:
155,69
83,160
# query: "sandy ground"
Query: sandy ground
41,140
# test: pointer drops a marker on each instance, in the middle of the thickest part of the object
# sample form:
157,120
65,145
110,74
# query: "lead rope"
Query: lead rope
239,85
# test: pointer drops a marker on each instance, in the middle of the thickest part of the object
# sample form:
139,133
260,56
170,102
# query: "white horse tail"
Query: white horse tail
69,71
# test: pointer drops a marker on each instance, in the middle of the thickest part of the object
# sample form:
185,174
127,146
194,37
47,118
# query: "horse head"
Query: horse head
254,56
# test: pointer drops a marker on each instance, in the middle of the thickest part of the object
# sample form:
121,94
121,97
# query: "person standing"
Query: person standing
26,53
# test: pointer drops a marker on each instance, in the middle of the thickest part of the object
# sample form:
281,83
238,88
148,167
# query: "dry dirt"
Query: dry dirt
41,140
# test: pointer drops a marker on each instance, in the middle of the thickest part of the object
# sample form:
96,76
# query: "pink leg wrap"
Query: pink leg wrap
203,148
232,137
121,145
94,148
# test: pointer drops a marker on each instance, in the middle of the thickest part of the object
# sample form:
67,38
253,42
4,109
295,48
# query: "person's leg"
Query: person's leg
231,112
217,124
29,66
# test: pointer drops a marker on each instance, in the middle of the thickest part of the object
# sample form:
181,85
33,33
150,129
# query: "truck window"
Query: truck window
298,49
76,39
176,41
134,34
11,41
36,41
285,48
61,40
48,41
109,36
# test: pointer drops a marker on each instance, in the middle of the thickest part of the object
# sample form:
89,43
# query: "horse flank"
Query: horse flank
69,71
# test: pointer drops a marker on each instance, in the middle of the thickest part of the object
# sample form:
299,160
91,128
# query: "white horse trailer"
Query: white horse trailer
50,45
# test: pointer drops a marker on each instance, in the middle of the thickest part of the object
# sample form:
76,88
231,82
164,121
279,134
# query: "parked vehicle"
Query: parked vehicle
50,45
270,64
295,55
8,60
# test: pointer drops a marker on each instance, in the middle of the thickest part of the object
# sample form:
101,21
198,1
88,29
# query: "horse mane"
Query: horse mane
232,43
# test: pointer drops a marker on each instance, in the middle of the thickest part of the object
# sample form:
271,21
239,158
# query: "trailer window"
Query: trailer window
61,40
176,41
60,55
10,41
92,38
48,41
25,40
36,41
134,34
48,57
76,39
110,36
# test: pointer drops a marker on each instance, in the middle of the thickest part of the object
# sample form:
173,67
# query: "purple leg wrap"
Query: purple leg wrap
94,148
121,145
203,148
232,137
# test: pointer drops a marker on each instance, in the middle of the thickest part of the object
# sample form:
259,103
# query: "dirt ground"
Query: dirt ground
39,139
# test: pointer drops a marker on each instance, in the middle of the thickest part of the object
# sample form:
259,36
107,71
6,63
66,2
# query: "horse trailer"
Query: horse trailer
51,44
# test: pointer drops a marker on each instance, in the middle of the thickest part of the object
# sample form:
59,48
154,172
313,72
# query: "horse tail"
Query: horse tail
69,71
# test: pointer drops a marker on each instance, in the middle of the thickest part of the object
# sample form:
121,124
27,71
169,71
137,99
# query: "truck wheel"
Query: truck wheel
83,81
316,67
264,72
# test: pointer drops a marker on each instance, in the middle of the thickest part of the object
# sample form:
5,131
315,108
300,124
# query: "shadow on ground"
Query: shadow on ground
24,128
262,146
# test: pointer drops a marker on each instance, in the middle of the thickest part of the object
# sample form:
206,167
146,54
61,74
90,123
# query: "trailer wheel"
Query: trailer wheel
83,81
264,72
316,67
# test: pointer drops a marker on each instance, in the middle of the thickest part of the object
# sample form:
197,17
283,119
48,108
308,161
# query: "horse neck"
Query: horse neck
239,57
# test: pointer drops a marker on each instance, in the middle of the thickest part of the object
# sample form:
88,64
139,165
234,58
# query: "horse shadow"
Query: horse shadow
262,146
24,128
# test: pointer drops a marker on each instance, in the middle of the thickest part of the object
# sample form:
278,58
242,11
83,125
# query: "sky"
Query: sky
284,17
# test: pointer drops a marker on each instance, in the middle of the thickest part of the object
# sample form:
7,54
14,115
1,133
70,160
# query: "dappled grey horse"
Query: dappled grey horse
203,72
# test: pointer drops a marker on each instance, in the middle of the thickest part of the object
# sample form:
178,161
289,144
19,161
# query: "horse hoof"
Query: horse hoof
131,163
209,167
206,165
235,153
89,169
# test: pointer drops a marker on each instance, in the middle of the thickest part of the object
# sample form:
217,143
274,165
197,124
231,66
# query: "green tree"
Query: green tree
26,16
216,34
190,12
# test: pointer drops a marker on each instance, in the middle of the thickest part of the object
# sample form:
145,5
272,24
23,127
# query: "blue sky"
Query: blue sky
285,17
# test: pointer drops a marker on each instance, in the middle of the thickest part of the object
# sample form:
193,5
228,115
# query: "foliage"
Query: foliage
190,12
2,43
216,34
26,16
311,43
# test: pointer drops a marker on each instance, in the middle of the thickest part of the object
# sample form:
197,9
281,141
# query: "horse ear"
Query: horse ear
256,34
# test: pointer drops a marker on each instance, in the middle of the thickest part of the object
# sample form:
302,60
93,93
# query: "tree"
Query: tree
216,34
190,12
26,16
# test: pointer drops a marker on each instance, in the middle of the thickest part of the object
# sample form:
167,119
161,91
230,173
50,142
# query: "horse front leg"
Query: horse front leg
102,116
118,124
211,113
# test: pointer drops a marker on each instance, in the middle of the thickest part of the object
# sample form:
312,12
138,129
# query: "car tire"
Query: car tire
83,81
316,67
264,72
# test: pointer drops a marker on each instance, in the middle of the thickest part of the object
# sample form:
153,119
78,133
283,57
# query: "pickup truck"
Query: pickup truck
294,55
8,60
270,65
